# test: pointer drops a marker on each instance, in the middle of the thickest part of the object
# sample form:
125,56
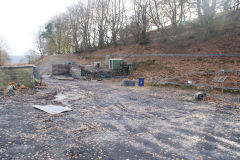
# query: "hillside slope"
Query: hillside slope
192,38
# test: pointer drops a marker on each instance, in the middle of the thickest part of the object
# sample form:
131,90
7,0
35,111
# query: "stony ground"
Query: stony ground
113,122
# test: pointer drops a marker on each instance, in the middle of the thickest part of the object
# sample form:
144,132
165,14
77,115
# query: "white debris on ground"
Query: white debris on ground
52,109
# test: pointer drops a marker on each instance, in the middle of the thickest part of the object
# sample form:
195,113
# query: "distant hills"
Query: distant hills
15,59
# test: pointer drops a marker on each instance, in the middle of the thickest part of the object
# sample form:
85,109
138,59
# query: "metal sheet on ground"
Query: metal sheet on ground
52,109
220,79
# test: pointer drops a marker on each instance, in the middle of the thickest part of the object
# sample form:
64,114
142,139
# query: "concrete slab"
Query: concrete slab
52,109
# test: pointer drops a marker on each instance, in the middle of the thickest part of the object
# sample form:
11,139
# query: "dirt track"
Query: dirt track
112,122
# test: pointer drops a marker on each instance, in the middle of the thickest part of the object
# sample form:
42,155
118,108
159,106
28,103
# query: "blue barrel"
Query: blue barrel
140,82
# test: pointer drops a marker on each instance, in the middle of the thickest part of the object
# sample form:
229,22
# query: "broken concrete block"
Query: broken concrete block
128,83
96,65
200,96
76,72
60,69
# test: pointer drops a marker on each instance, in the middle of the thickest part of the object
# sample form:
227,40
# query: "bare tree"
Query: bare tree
74,22
206,10
140,21
62,34
102,23
40,44
88,18
31,57
116,18
102,10
124,28
157,13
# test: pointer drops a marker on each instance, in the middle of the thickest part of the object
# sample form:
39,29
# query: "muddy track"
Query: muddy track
112,122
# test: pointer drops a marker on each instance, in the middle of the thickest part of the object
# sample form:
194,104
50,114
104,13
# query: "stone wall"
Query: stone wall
18,74
60,69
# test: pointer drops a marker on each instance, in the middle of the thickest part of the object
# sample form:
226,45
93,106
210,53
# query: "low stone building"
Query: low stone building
19,74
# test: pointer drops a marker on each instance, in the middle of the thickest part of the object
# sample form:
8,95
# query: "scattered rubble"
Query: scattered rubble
107,116
199,96
63,78
13,87
95,71
96,65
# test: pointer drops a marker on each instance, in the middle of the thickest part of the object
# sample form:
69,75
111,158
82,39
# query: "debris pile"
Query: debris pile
24,74
13,88
199,96
96,71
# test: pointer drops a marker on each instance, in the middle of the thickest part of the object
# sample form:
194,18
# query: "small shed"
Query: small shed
115,64
20,74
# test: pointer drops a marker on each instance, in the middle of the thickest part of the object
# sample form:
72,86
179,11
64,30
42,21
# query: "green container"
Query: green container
115,64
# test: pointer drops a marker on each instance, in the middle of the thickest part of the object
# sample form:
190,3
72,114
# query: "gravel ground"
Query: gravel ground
113,122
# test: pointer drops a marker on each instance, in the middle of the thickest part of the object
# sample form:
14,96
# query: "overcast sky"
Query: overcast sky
20,20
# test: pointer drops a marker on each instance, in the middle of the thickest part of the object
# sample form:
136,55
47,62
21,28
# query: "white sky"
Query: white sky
21,19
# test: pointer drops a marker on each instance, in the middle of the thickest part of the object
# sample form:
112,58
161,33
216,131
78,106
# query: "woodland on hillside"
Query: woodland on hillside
97,24
4,56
